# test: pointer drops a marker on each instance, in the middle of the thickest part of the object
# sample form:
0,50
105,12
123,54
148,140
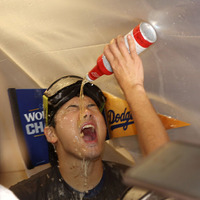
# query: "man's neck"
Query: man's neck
82,175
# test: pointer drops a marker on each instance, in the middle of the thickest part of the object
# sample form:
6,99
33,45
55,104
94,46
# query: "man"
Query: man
77,130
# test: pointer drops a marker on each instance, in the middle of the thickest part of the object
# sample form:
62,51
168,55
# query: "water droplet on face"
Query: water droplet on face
81,134
80,154
76,139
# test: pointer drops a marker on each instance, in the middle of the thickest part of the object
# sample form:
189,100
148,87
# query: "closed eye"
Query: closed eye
91,105
72,107
75,107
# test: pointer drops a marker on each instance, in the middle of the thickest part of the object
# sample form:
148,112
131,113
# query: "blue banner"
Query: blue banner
30,108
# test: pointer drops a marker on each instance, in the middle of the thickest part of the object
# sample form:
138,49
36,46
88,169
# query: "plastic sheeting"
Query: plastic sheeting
43,40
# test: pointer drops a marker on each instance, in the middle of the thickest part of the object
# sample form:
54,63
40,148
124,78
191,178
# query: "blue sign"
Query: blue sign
30,110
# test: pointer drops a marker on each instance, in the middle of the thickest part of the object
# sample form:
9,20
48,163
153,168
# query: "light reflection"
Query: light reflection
155,25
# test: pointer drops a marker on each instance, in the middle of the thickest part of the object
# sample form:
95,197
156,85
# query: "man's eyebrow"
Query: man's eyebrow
72,105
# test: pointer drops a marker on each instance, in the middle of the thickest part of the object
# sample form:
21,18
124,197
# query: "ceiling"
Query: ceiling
41,41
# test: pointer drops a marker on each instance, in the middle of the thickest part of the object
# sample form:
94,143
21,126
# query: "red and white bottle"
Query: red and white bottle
144,35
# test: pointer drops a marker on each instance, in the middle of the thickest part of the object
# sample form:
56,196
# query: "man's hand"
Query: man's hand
127,67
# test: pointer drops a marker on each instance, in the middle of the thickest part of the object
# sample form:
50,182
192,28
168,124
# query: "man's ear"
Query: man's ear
49,132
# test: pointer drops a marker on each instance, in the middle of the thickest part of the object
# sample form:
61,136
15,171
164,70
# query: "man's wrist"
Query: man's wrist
137,89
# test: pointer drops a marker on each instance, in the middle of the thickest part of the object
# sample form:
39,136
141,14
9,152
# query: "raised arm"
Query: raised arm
128,71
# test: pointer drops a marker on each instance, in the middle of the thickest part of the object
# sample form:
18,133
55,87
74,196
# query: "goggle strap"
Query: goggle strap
102,107
45,107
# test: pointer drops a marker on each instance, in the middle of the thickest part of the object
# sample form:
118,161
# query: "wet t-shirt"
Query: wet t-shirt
49,185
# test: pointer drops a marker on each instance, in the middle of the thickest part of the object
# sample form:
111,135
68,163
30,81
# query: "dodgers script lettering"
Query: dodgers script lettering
118,120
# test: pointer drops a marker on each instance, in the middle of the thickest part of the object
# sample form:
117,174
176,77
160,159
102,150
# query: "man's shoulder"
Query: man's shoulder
30,186
113,179
40,175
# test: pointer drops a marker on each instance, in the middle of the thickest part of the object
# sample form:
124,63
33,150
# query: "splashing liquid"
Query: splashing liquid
81,103
85,164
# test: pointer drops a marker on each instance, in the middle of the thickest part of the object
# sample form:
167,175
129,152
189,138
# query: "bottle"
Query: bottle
144,35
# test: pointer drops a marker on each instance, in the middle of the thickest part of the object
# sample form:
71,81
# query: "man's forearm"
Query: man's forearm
150,130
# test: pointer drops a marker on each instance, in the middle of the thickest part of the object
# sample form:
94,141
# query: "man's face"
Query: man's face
80,137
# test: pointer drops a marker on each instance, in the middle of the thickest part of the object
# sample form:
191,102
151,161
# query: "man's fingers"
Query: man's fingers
113,54
132,46
115,49
108,54
122,46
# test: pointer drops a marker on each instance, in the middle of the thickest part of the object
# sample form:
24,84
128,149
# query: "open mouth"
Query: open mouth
88,133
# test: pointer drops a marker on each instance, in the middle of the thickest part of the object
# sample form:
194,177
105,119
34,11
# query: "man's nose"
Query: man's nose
87,113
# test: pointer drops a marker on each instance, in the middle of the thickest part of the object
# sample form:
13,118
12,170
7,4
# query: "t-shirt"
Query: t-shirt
49,185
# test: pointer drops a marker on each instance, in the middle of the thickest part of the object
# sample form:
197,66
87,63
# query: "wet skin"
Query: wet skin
81,138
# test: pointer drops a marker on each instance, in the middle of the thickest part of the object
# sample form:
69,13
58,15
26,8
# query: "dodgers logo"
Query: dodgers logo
123,120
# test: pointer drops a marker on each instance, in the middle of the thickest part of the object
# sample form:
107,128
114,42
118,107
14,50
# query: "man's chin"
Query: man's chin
92,156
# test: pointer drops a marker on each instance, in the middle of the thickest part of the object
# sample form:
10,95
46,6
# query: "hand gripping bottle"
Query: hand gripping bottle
144,35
